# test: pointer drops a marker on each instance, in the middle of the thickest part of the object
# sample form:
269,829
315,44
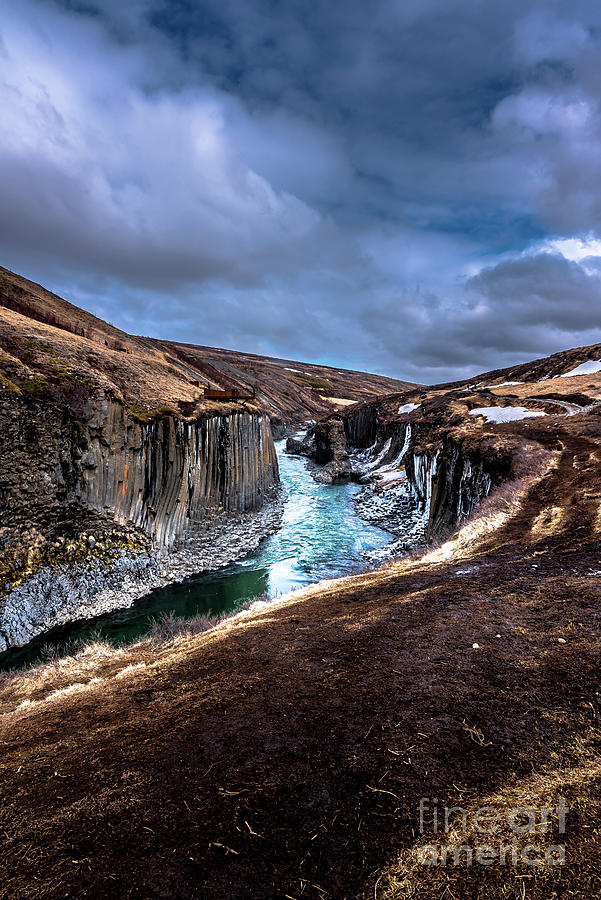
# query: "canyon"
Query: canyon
284,751
128,463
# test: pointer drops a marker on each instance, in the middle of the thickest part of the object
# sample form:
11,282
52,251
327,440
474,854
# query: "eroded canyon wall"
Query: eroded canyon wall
99,506
445,478
165,476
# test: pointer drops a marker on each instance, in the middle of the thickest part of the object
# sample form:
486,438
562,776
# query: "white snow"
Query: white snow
407,408
293,370
390,471
499,414
376,462
504,384
590,367
394,465
387,477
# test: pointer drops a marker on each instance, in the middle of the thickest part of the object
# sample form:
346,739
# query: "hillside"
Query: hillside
285,752
56,346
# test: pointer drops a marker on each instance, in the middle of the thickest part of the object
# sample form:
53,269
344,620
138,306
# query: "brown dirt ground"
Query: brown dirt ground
284,754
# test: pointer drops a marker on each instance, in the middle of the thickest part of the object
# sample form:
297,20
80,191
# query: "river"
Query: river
321,536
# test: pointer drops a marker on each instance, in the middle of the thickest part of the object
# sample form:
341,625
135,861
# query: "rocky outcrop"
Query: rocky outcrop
302,446
329,441
99,507
325,443
420,482
331,451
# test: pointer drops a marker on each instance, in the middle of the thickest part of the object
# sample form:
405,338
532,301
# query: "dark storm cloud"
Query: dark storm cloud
377,185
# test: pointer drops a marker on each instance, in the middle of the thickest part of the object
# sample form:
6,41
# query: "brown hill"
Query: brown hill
48,343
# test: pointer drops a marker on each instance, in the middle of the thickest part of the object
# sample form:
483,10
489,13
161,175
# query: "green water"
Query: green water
320,537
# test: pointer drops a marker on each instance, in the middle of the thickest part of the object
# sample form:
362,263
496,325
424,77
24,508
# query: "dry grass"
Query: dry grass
44,336
91,660
517,878
283,753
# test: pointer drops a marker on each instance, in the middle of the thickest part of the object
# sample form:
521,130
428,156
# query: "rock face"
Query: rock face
361,426
98,507
304,447
448,486
331,451
456,486
420,482
164,477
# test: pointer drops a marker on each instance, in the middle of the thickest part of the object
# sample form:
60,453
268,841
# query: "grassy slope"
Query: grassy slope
61,346
284,754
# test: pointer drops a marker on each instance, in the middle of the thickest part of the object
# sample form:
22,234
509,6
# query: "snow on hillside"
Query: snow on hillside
590,367
500,414
407,408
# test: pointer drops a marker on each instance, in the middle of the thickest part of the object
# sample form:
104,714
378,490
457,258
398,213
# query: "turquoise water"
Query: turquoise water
320,537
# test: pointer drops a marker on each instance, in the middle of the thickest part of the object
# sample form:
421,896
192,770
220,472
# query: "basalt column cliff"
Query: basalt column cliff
97,510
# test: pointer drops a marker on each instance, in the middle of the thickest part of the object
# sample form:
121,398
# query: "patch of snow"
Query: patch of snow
504,384
394,464
408,407
500,414
386,477
376,462
294,370
590,367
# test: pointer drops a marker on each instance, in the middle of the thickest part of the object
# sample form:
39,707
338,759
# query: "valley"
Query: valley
286,750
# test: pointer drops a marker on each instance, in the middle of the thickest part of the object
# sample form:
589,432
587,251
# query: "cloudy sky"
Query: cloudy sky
411,187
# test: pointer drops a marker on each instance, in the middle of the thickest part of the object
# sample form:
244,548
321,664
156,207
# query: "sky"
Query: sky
410,187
